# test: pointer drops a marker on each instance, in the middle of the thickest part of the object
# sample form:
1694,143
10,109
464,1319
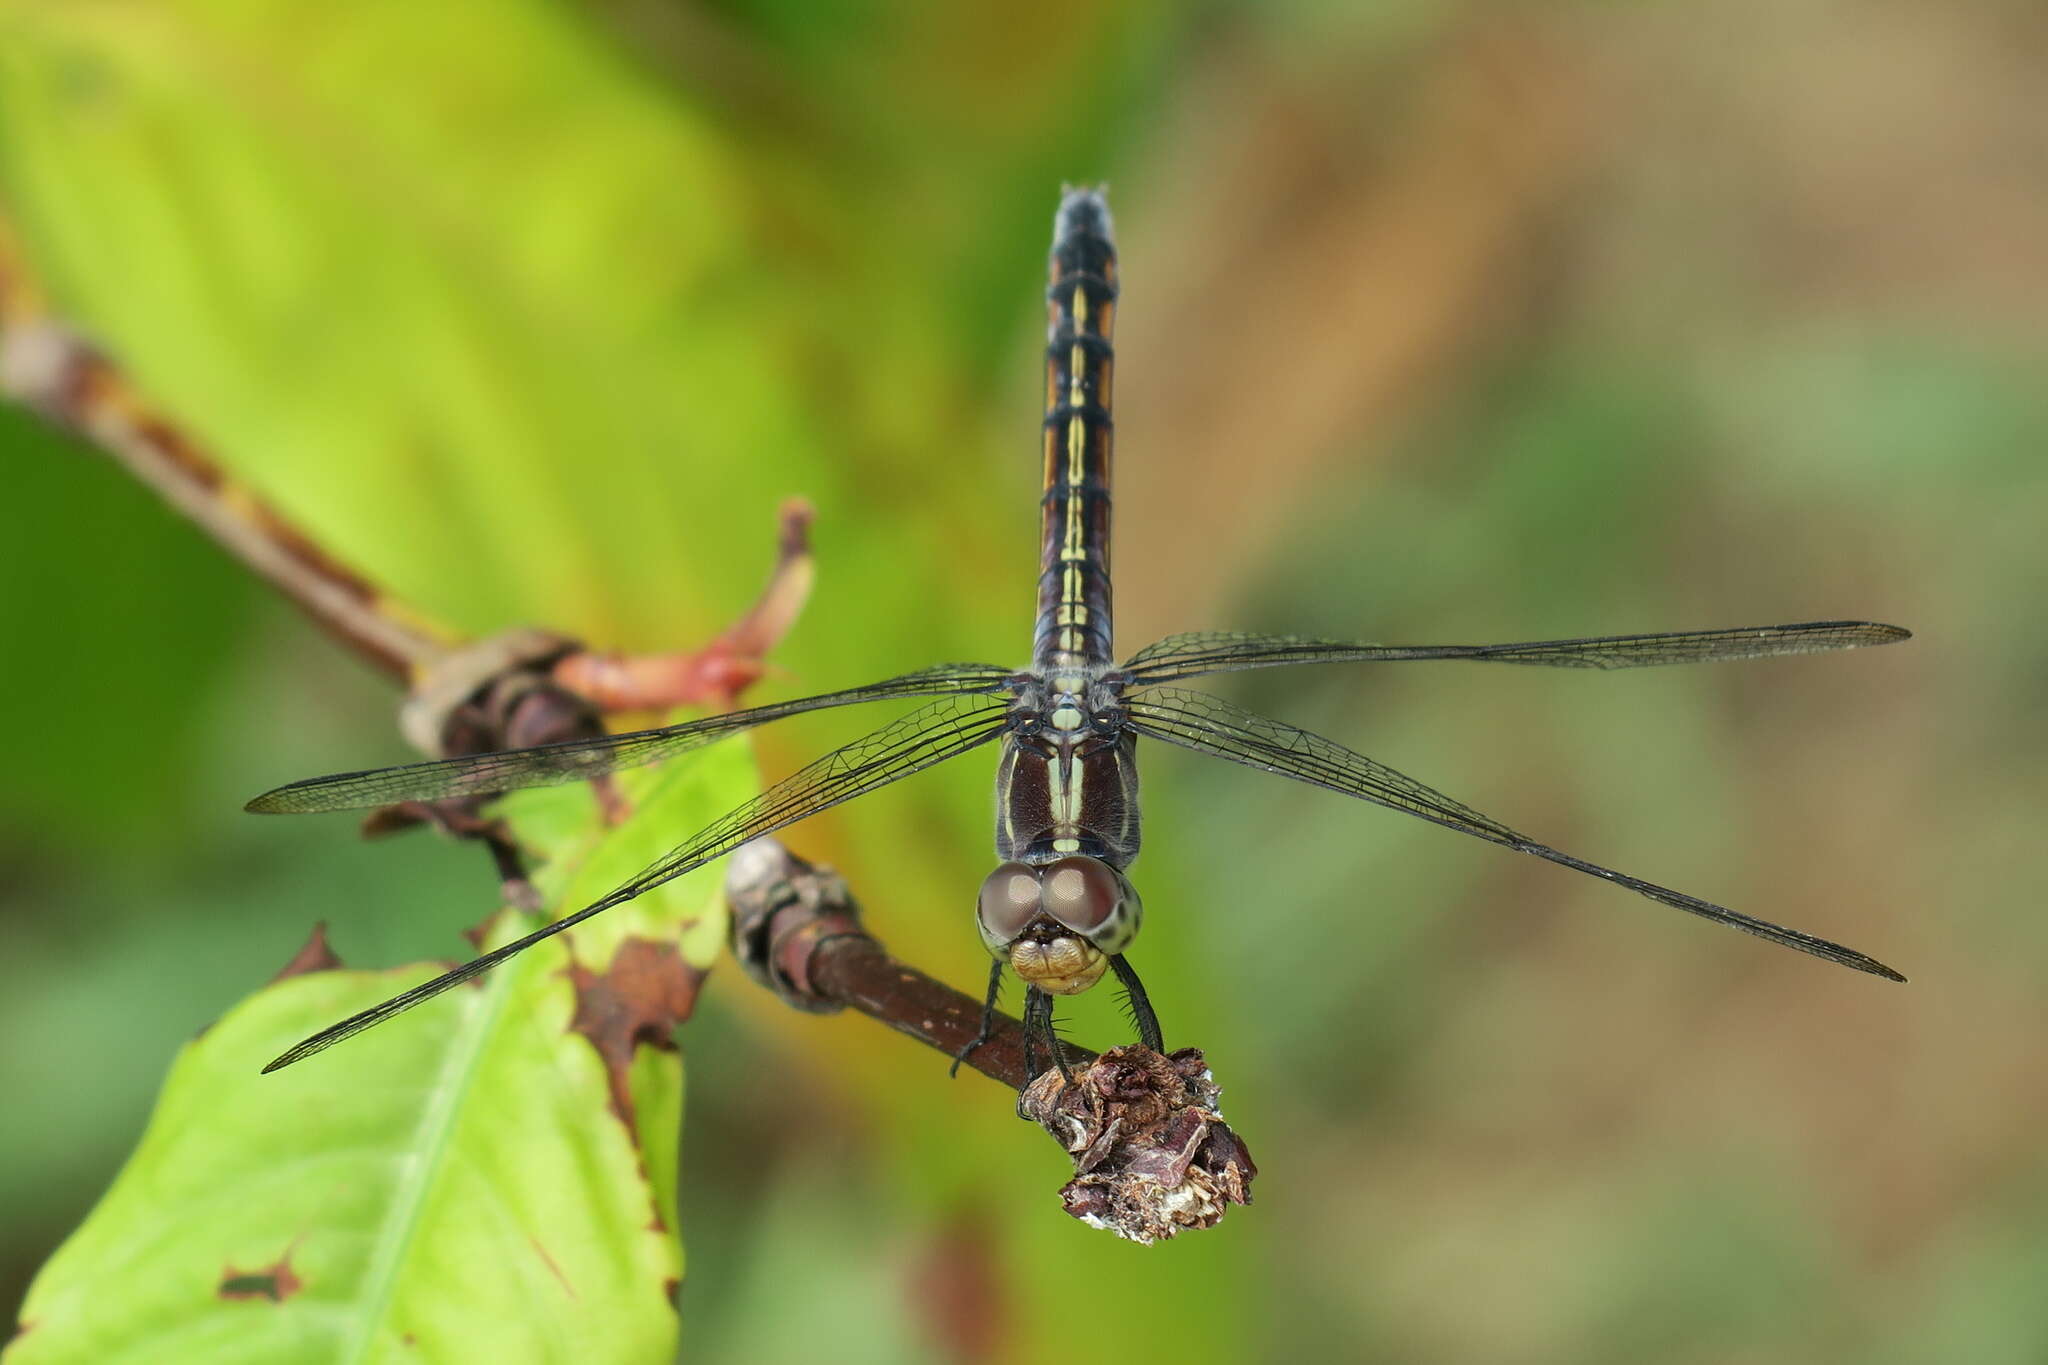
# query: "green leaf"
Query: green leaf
458,1183
316,234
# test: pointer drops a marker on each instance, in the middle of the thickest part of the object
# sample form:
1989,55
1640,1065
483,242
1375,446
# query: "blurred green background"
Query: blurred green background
1442,322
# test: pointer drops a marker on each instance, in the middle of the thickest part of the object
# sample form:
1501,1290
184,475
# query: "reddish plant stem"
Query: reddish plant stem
49,368
46,366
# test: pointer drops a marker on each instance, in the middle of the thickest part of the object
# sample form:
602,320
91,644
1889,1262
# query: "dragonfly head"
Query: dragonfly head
1057,924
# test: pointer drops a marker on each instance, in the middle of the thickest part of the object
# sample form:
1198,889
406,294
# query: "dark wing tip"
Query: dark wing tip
1849,957
1863,632
321,1041
286,800
297,1052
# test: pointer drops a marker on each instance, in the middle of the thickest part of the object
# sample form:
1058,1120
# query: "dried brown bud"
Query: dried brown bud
1152,1156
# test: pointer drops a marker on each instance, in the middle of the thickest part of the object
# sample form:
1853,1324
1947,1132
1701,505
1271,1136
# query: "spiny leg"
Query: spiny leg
1032,996
1038,1024
1141,1004
988,1020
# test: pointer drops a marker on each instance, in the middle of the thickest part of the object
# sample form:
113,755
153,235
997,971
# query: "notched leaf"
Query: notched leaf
640,998
1152,1156
276,1282
315,956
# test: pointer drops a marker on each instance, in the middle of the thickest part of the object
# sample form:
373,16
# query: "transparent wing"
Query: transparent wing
932,734
1210,725
1186,656
579,760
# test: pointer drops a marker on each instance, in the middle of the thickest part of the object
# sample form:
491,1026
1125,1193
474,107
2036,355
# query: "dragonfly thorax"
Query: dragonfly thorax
1067,784
1067,707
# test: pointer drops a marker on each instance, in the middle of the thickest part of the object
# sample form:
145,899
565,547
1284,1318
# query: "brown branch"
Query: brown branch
514,689
796,930
1152,1156
48,367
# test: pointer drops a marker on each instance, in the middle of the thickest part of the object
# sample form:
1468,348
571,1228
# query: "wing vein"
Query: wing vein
1186,656
579,760
1210,725
932,734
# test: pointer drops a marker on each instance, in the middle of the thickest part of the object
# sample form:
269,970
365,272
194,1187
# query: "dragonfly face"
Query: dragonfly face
1059,911
1058,924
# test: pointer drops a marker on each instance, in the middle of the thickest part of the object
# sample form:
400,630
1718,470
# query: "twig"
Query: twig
796,930
517,688
47,366
1152,1155
716,674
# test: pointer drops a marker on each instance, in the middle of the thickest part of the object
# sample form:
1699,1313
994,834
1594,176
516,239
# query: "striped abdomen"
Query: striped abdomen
1073,625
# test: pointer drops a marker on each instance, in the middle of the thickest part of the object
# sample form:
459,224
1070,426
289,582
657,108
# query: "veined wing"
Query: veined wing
1210,725
932,734
1186,656
579,760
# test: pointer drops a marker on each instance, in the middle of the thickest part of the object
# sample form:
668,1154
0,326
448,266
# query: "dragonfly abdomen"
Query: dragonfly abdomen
1073,626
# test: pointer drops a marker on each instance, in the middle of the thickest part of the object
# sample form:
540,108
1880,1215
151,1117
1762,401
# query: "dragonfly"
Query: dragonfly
1059,911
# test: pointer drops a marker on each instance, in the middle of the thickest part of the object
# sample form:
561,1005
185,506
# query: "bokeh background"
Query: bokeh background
1442,322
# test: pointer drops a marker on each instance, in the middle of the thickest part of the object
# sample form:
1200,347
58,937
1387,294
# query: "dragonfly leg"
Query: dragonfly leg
1037,1025
1053,1043
988,1020
1032,995
1141,1004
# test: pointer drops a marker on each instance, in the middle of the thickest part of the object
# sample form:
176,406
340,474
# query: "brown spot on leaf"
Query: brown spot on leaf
640,998
276,1282
315,956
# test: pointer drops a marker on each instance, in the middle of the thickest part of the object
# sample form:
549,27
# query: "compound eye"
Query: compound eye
1009,901
1086,895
